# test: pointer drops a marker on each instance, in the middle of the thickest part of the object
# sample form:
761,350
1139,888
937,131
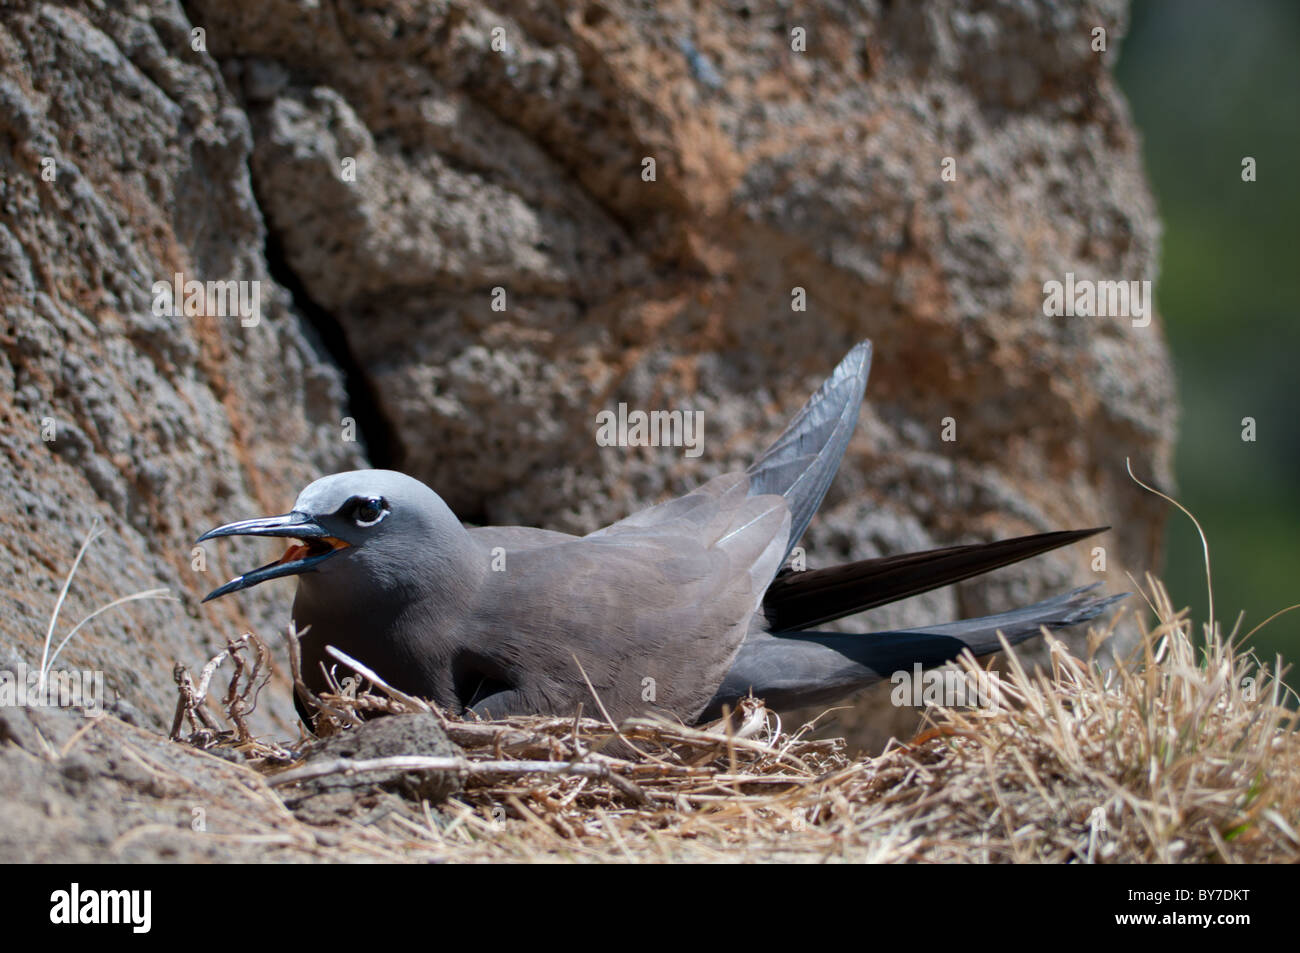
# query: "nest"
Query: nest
1185,751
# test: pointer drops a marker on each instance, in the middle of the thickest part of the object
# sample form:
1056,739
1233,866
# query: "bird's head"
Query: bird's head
372,522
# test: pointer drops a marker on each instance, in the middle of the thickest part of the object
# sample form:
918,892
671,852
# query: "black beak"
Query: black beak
318,546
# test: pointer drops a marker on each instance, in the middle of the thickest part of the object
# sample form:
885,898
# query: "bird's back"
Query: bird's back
654,607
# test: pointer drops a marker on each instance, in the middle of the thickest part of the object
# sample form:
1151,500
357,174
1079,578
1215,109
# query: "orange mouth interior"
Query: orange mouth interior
311,547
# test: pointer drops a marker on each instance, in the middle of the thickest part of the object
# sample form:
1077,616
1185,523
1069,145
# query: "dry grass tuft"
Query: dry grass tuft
1183,752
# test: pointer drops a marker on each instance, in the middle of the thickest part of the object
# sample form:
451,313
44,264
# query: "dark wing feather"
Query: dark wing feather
814,668
800,600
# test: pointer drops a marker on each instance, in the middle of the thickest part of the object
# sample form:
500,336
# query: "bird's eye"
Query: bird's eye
368,512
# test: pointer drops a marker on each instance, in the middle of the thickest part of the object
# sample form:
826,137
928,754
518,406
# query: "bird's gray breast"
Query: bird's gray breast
395,634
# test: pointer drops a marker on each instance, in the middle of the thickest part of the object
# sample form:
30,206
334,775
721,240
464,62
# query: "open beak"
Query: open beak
314,547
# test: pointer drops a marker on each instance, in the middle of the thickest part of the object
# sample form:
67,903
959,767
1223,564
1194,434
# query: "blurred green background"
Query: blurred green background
1210,83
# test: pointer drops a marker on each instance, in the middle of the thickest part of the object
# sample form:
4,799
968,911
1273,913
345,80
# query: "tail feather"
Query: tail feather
791,669
800,600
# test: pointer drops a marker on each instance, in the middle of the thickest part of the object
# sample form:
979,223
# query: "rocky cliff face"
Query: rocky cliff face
124,160
393,175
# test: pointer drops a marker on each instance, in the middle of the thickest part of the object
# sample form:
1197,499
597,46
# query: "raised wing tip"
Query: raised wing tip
859,355
855,367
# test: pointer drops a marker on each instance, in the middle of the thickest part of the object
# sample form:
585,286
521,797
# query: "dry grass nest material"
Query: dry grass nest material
1185,751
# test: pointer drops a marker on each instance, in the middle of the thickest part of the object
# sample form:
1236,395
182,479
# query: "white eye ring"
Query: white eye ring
378,503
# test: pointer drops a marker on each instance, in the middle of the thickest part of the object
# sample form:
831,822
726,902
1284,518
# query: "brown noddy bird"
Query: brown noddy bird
680,609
